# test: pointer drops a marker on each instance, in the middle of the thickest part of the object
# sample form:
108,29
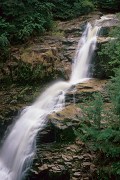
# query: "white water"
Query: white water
19,147
84,52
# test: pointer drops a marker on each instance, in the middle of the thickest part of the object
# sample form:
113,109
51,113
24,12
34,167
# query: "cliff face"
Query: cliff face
60,155
49,56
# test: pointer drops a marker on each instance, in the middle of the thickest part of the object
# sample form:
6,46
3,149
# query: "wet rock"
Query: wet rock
67,158
72,29
109,20
46,135
68,164
80,143
84,91
62,123
63,163
102,40
77,174
43,167
75,157
80,157
70,41
59,174
54,168
73,178
87,157
86,178
92,168
86,165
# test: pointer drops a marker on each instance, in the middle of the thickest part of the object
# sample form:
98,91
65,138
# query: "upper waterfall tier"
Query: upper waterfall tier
84,52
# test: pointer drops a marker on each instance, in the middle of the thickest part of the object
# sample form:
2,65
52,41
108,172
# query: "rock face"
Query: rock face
59,161
85,90
12,100
55,51
59,154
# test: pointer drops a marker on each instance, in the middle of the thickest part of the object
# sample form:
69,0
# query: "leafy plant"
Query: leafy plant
21,20
64,9
5,29
114,91
93,112
109,54
4,40
112,5
100,130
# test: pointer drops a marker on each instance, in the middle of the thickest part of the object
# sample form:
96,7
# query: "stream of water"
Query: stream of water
18,149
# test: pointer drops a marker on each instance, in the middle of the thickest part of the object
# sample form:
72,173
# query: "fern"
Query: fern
104,139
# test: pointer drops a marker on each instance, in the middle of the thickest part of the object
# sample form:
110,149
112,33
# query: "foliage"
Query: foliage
20,72
21,19
109,55
114,91
100,130
94,111
64,9
27,73
111,5
5,28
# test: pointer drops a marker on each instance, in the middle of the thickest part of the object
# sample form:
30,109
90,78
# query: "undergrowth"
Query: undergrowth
100,130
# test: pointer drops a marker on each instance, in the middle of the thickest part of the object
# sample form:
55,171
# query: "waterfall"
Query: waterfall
18,149
84,52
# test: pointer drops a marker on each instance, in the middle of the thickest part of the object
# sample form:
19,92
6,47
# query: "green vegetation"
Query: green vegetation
109,55
100,130
110,5
24,73
21,19
65,9
114,91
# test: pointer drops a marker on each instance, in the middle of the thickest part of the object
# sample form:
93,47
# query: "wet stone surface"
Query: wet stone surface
63,161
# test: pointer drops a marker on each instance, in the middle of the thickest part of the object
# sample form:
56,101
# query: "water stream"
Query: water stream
18,149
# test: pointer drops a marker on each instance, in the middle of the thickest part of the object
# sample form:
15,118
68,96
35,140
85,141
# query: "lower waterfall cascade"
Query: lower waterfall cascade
19,147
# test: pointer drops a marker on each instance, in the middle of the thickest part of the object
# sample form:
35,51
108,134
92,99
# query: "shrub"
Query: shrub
100,130
93,112
114,91
27,73
23,19
110,5
109,54
5,29
20,20
64,9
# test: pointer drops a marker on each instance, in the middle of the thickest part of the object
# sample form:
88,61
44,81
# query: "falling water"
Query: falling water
19,147
84,52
